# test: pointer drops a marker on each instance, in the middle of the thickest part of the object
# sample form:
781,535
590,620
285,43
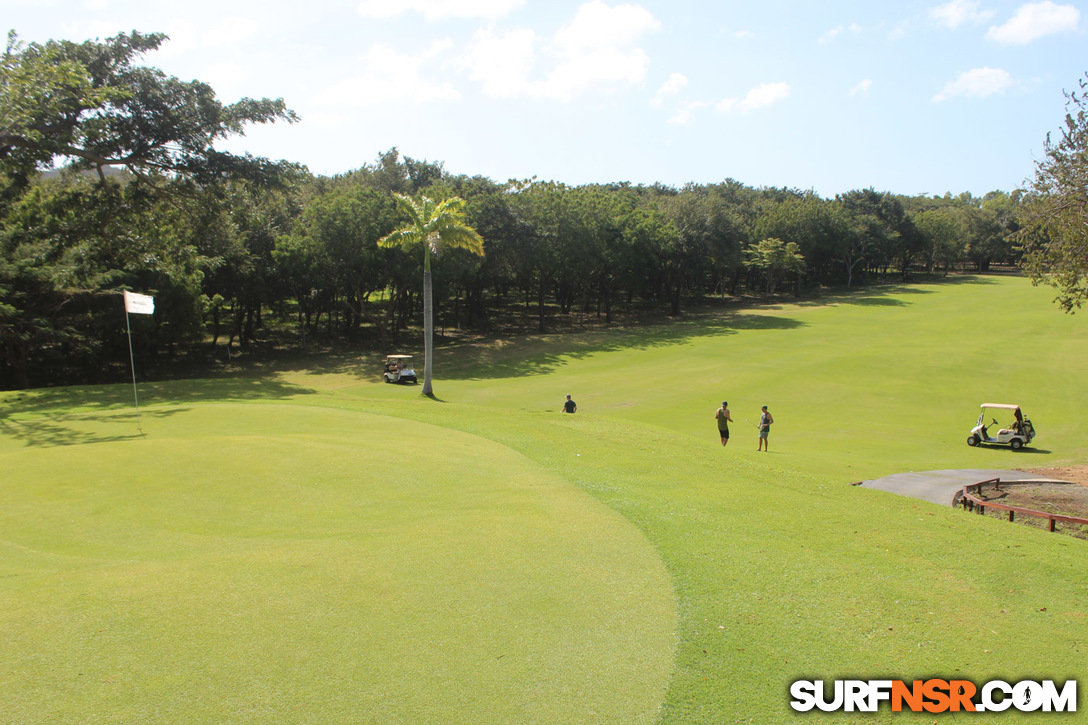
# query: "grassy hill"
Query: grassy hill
311,545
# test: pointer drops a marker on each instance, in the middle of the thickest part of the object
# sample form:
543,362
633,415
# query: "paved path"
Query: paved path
943,487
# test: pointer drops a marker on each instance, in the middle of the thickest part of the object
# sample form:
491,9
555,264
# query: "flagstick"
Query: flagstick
132,361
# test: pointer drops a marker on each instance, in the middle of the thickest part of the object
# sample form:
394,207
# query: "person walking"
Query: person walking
724,419
765,420
570,406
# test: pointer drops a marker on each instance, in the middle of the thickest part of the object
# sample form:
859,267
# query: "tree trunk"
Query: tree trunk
215,322
540,307
428,330
17,354
239,316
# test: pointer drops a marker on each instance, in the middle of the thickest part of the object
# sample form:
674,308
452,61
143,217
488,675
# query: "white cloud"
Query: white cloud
834,33
765,95
958,12
98,29
862,87
759,97
325,120
227,33
671,87
976,83
231,31
183,37
686,112
226,78
596,50
602,68
597,25
901,30
389,76
1034,21
502,63
439,9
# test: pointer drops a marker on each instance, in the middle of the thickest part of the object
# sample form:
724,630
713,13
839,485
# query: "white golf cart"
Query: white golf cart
398,369
1016,434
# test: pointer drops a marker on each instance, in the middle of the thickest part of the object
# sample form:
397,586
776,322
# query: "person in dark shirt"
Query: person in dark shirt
724,419
570,406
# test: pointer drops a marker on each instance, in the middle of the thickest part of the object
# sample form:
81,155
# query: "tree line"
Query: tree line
145,202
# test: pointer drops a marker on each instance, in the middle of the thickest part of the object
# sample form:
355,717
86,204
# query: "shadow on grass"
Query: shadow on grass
542,354
488,356
52,430
479,357
47,401
498,356
882,295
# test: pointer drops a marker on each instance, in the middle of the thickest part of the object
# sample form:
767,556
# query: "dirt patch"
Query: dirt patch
1069,499
1076,474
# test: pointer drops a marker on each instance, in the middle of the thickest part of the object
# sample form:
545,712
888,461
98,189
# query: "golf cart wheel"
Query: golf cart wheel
973,441
1016,444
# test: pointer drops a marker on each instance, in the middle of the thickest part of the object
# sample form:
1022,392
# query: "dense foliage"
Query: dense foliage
227,244
144,201
1056,210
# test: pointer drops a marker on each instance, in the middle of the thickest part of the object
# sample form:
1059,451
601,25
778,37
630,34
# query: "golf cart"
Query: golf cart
398,369
1016,435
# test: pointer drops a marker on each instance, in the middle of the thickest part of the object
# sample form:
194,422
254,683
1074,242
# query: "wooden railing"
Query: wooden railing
972,502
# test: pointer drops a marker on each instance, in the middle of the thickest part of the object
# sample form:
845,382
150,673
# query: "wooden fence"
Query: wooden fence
969,497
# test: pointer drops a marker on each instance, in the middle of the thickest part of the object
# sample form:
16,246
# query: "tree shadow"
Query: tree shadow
543,353
865,297
61,430
470,356
881,295
53,416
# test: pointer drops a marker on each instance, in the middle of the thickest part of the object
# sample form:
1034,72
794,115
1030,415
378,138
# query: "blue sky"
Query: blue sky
910,97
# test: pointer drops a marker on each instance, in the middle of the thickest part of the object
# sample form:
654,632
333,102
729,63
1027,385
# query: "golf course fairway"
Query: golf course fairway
307,544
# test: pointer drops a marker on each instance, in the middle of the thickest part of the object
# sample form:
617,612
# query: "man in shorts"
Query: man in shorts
724,419
765,420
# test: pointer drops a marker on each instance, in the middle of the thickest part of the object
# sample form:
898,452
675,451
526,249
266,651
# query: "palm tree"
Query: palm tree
436,226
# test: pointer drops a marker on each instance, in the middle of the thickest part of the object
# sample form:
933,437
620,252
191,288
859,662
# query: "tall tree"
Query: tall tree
91,104
435,226
346,222
944,244
1055,212
775,260
63,244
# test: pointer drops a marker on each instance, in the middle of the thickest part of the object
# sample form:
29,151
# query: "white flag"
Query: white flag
139,304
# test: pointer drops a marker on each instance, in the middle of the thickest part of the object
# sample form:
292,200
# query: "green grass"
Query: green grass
269,563
315,546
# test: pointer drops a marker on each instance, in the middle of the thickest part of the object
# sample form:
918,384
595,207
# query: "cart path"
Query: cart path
944,486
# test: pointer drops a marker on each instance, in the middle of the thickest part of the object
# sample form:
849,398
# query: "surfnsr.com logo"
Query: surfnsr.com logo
934,696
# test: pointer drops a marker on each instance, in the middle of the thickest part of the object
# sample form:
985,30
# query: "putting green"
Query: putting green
258,563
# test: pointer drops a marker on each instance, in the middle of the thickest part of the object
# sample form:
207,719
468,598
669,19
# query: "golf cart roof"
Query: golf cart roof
1001,406
398,357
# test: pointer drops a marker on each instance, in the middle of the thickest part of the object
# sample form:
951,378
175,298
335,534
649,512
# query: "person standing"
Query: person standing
570,406
724,419
765,420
